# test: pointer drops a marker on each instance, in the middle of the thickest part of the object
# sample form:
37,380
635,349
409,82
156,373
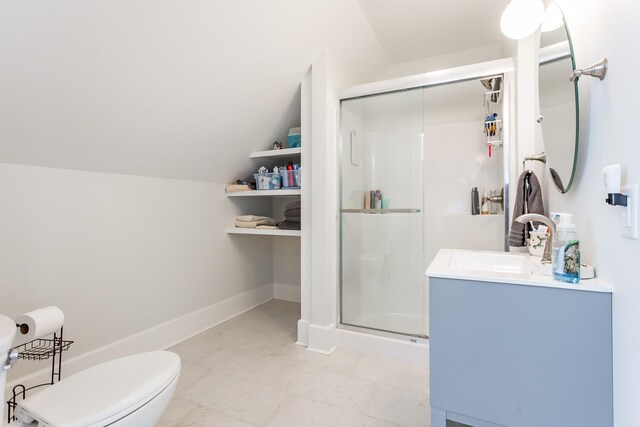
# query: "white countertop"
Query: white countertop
444,266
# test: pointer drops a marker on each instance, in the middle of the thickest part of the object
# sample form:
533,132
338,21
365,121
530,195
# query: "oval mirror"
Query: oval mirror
559,111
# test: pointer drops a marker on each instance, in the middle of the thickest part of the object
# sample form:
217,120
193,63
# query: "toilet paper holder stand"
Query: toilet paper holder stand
38,349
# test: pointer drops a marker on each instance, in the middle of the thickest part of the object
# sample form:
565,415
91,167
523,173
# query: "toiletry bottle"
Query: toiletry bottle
484,209
566,251
475,201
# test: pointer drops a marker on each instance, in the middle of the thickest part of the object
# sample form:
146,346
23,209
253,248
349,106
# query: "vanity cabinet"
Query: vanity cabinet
519,355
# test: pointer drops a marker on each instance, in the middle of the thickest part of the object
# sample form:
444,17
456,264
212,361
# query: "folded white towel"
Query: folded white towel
234,188
254,224
267,227
251,218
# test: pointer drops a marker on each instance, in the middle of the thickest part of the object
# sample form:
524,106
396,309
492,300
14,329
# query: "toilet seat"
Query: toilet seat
103,394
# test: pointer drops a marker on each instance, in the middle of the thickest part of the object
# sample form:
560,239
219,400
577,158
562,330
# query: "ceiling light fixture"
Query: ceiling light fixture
521,18
552,18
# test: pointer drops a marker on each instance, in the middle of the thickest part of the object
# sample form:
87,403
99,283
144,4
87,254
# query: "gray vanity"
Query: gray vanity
510,347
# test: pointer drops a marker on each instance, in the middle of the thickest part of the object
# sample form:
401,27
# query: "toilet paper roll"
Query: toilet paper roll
41,322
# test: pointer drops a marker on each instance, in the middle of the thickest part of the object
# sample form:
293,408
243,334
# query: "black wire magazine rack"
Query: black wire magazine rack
39,349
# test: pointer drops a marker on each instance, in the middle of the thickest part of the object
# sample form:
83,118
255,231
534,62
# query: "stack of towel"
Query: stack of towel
291,216
241,185
234,188
255,221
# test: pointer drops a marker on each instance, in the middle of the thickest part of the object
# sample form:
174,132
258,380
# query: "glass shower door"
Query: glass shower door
381,213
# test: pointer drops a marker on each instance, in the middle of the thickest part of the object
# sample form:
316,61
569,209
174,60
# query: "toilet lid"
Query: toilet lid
110,390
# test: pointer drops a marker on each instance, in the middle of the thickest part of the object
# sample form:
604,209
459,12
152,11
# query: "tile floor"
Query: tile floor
248,372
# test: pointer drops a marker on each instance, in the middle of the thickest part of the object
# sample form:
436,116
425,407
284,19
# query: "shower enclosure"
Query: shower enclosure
408,162
382,212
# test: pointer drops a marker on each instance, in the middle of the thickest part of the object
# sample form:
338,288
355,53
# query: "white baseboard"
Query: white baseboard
286,292
388,348
322,339
159,337
303,332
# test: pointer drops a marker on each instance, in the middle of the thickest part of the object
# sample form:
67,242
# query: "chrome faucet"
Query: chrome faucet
546,256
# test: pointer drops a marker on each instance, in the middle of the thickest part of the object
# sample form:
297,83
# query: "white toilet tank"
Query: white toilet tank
106,393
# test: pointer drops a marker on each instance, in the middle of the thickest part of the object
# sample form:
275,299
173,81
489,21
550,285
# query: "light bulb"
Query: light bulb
552,18
521,18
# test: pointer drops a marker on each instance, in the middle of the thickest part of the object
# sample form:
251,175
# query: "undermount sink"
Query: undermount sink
502,267
497,262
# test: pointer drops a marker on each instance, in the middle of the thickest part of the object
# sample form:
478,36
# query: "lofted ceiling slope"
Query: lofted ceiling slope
166,88
187,89
413,29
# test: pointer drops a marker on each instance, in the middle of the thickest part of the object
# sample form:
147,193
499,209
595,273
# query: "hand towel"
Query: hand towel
292,218
292,212
528,200
286,225
267,227
233,188
251,218
254,224
295,204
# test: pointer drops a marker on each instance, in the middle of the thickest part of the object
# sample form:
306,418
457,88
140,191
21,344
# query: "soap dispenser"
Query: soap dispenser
566,250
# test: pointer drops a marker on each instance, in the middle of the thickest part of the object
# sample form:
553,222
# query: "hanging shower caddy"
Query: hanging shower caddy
492,103
39,349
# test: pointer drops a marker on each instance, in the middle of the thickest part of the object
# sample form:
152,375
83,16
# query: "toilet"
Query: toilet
132,391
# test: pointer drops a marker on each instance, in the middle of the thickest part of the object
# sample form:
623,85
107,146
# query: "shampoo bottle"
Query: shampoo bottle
566,251
475,201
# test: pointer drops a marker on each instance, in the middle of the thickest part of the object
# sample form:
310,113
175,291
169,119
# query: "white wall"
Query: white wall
162,88
118,254
441,62
320,266
609,128
286,258
150,88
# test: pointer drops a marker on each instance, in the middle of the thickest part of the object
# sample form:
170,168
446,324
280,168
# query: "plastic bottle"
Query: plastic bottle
565,261
484,209
475,201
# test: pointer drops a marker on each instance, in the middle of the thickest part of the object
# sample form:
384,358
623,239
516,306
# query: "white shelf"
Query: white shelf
262,193
260,232
283,152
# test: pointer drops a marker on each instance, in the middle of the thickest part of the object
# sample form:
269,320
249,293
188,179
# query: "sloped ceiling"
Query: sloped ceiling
412,29
188,88
165,88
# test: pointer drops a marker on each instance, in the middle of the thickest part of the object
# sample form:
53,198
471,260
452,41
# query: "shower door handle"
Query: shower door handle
352,139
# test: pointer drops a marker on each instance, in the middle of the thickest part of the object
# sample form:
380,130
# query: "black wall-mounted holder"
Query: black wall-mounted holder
616,199
38,349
